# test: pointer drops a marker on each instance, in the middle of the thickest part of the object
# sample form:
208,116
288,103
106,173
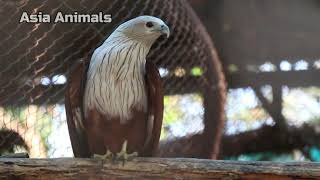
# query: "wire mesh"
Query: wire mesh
36,57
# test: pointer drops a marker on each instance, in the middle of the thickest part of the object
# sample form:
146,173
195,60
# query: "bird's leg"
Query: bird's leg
108,156
122,155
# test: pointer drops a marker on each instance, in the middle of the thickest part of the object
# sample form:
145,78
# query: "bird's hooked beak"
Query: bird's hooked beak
164,29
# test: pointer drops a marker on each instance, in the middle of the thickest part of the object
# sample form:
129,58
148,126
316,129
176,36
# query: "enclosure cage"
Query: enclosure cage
267,49
35,59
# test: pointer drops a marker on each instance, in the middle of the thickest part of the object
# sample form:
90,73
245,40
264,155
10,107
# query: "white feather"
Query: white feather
113,95
115,79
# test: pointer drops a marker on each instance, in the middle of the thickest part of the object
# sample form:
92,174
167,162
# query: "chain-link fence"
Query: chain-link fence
272,108
35,59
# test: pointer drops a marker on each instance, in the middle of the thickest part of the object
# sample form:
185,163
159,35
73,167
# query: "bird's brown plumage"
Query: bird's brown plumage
117,97
93,134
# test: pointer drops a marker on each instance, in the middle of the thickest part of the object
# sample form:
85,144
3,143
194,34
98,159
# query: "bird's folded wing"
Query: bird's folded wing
74,109
155,108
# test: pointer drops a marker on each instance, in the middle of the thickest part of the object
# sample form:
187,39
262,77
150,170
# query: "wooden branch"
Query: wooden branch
274,108
278,107
16,155
151,168
267,106
265,139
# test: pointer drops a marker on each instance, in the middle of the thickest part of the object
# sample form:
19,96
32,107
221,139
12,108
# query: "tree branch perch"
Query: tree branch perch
265,139
153,168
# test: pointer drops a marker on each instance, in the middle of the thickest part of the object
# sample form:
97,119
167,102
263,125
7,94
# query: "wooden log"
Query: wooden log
16,155
154,168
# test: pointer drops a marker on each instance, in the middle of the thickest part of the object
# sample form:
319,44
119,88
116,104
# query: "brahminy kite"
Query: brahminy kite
114,105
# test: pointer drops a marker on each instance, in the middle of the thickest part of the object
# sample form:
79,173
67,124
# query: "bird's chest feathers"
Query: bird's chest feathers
116,87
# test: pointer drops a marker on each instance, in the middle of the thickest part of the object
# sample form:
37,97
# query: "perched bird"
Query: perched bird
115,106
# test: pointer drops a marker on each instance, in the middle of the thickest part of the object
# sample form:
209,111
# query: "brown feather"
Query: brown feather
74,110
109,134
155,106
97,132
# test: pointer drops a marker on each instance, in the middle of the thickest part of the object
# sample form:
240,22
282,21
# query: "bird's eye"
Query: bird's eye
149,24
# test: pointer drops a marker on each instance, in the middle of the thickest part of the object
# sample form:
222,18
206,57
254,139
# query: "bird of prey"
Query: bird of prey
114,105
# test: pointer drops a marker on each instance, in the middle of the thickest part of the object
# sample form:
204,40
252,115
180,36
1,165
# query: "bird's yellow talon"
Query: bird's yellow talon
108,156
123,155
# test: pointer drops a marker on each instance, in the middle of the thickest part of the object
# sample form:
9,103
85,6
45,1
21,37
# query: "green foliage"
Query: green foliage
16,113
176,109
172,113
43,120
172,110
232,68
196,71
44,126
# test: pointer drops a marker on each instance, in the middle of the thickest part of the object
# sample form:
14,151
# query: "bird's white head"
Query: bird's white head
146,28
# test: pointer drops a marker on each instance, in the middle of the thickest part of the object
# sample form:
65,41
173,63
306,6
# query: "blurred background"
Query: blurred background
271,61
268,51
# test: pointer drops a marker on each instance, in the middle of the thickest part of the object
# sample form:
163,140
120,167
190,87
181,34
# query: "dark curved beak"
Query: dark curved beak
165,30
